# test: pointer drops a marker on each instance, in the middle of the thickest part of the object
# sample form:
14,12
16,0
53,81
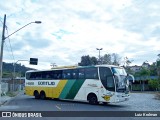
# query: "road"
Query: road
137,102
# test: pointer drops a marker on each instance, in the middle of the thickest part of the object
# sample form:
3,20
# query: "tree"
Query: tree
153,69
87,61
115,59
110,59
106,59
94,61
145,72
158,65
153,84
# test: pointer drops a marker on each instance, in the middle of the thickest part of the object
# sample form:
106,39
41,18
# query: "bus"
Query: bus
93,84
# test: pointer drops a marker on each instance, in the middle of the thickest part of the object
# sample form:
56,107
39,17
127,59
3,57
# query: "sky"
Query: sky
73,28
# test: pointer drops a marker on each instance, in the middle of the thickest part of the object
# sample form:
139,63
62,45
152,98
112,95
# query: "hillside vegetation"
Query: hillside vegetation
8,70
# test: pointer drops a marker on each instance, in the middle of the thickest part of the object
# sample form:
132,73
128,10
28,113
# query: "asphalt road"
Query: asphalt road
137,102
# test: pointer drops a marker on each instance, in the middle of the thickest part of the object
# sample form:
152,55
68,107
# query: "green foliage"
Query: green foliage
106,59
109,59
154,84
153,70
8,70
94,61
145,72
87,61
158,63
11,94
142,72
7,74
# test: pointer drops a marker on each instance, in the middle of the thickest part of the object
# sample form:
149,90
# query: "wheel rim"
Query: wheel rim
93,100
42,96
36,95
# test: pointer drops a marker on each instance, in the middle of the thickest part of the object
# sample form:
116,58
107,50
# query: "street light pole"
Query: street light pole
2,44
99,53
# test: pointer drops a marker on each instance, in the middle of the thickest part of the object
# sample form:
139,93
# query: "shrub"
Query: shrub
11,94
154,84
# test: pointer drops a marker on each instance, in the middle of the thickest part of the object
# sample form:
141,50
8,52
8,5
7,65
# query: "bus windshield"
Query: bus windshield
119,71
120,79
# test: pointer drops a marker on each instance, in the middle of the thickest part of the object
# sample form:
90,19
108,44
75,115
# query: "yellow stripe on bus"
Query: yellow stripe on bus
52,92
57,90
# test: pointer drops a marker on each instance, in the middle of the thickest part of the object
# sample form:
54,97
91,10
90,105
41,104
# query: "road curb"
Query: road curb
10,99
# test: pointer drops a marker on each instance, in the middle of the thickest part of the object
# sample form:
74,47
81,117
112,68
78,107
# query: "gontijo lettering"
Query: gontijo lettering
46,83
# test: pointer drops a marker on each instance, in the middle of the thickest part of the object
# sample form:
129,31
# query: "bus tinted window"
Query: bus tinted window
35,75
38,75
110,82
81,74
47,75
67,74
28,75
57,74
91,73
32,76
74,73
106,77
43,75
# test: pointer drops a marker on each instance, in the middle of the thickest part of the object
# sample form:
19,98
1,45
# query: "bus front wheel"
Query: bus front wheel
92,98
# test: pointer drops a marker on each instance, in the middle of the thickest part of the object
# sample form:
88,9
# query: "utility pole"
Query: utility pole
1,55
2,44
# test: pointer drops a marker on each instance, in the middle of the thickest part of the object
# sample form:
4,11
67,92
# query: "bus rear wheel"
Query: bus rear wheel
43,95
36,95
92,98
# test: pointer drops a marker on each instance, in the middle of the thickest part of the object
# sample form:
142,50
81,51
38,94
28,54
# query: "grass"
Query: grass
11,94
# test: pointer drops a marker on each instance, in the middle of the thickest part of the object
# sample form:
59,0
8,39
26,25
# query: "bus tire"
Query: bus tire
105,103
36,94
42,95
92,98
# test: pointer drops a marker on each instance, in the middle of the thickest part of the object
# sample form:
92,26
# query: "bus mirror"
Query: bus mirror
129,75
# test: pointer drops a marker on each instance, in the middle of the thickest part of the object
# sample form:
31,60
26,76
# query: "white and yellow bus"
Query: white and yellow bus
100,83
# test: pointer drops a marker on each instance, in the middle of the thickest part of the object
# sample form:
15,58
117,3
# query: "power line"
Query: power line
9,42
8,49
1,21
10,46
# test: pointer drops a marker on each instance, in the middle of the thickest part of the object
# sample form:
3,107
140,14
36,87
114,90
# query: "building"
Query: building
14,84
145,65
141,83
135,68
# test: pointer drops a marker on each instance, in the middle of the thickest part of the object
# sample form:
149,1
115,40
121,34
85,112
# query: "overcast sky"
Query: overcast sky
72,28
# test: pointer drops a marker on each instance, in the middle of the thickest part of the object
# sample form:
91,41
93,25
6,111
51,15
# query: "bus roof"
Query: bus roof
74,67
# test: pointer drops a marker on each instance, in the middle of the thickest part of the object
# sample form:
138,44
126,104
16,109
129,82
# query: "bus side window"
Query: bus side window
81,74
67,74
33,76
46,75
38,75
74,73
28,76
91,73
57,74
